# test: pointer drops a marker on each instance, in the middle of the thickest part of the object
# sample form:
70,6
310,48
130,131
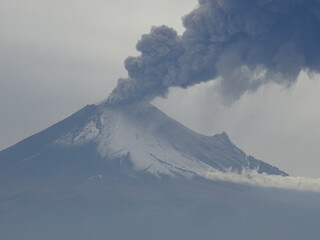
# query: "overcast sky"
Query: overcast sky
57,56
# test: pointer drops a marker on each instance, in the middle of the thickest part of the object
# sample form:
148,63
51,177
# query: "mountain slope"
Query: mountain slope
99,139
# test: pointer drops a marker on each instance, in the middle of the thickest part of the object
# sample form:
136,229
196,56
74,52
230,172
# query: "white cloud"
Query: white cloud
263,180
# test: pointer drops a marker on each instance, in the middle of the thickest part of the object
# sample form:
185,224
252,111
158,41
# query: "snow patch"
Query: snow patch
155,143
85,135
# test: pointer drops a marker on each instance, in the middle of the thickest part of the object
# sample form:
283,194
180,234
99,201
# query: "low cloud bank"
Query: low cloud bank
263,180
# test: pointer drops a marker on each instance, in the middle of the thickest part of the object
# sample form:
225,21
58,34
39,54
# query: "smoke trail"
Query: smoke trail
247,43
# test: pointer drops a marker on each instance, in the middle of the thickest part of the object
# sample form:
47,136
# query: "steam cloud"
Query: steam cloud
245,43
254,178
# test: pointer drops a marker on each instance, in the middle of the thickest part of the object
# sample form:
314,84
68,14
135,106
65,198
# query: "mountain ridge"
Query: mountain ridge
138,136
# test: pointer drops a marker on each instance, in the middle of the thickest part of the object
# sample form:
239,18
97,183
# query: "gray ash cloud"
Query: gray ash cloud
244,43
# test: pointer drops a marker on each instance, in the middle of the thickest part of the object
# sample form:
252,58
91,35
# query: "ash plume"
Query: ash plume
244,43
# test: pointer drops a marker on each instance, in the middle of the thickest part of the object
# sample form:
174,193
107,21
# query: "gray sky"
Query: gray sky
57,56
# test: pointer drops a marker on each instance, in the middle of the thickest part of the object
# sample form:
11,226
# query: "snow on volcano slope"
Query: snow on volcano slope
157,144
107,139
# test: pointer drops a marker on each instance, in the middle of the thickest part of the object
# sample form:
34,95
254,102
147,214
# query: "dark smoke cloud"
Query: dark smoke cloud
152,73
246,43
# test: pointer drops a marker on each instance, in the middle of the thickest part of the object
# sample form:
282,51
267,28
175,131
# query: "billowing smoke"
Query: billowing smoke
244,43
152,73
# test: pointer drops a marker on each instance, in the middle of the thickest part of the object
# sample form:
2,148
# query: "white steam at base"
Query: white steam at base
263,180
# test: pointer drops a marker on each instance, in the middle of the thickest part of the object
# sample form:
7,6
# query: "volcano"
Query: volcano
102,139
129,171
